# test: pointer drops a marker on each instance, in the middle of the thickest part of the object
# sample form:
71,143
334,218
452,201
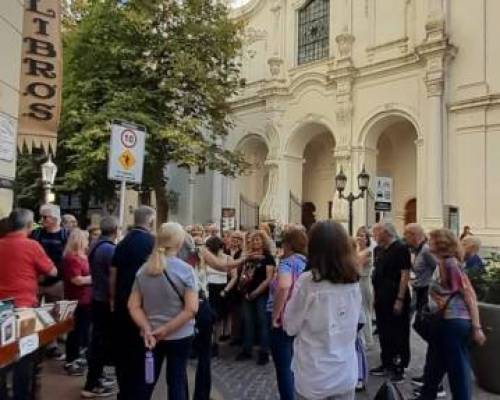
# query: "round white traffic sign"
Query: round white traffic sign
128,138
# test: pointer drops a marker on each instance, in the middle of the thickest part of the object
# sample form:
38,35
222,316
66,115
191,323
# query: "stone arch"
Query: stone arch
303,131
311,166
389,139
252,185
380,118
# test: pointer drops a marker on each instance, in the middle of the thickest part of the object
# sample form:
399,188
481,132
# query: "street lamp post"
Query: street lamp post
340,184
49,171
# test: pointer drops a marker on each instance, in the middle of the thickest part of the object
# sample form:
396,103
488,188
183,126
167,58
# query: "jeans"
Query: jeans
255,318
78,338
203,346
177,353
128,350
99,353
282,353
448,353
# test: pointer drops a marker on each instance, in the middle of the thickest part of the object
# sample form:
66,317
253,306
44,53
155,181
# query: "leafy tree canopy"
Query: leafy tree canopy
167,65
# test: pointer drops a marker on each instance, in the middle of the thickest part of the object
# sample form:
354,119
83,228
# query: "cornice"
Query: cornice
247,103
475,102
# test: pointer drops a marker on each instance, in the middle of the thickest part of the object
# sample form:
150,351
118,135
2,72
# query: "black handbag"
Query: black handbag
427,321
205,315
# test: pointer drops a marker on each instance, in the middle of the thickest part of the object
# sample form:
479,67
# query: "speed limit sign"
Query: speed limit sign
126,156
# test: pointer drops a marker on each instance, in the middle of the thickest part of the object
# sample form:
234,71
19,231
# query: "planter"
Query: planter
485,359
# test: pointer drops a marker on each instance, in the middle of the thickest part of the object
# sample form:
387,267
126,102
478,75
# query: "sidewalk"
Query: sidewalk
238,380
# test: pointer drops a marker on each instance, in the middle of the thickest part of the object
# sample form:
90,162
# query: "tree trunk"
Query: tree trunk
160,190
84,209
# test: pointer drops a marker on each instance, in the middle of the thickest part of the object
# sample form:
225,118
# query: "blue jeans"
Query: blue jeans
282,353
448,353
255,318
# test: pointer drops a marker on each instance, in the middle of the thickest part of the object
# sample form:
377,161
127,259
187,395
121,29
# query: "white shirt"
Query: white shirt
324,318
217,277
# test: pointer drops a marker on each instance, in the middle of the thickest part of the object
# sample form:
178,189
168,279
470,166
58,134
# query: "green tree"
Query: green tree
167,65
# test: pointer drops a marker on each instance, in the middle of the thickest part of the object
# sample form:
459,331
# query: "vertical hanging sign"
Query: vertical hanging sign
41,74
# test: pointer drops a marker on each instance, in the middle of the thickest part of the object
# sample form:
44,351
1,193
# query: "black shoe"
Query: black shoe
397,377
98,391
263,358
418,381
74,369
379,371
243,356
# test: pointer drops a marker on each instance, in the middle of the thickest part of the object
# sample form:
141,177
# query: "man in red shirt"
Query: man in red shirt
23,261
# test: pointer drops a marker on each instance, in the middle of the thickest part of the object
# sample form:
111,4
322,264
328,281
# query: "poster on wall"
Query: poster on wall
41,75
383,193
228,219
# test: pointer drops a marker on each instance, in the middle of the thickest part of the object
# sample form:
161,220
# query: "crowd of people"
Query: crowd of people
310,301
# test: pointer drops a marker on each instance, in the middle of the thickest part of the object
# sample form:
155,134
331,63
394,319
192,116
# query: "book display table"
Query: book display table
12,352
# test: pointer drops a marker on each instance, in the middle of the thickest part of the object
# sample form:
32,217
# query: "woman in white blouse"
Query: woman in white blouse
323,315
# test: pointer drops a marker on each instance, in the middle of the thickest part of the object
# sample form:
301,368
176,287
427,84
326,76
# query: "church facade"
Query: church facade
409,89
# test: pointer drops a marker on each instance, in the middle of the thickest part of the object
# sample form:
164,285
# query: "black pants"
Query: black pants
78,338
177,353
24,377
394,334
99,353
421,297
202,345
129,356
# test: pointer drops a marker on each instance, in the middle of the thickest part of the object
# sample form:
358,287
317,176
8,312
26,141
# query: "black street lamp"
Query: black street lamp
340,184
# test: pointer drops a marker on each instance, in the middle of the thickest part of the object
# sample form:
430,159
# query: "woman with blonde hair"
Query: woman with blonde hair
163,304
77,281
254,286
453,301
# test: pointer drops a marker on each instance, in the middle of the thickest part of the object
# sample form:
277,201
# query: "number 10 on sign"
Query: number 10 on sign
126,157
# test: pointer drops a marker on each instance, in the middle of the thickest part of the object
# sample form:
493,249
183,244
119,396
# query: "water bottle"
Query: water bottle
149,367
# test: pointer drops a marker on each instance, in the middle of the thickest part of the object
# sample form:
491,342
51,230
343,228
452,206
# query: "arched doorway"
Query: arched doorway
411,211
312,171
252,185
392,140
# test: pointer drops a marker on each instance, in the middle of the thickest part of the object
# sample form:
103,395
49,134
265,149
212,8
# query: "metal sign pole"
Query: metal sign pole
123,188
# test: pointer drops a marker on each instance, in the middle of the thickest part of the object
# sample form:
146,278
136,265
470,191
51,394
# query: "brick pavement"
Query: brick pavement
237,380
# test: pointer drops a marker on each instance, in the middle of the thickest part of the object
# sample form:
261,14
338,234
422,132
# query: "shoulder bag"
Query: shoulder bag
205,315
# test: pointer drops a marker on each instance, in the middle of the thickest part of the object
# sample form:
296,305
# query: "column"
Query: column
216,197
270,207
190,197
433,147
291,182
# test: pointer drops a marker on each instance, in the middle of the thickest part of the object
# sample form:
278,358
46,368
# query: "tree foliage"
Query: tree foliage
167,65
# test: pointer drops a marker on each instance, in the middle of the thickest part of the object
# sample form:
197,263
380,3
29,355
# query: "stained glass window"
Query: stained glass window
314,26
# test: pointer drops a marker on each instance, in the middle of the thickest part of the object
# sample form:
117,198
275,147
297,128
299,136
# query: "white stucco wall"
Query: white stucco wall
430,64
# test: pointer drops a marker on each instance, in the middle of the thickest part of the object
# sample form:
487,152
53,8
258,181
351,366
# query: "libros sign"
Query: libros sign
40,86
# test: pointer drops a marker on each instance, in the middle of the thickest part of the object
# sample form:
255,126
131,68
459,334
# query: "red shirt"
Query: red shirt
73,266
22,260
